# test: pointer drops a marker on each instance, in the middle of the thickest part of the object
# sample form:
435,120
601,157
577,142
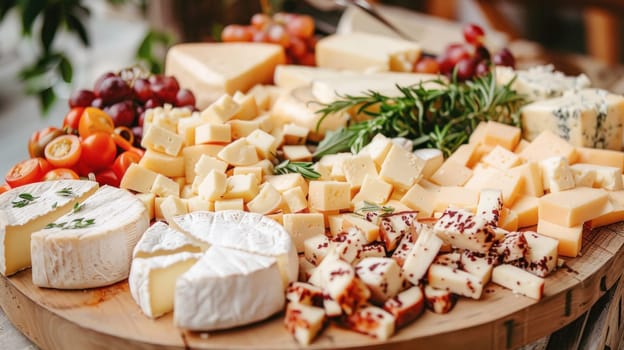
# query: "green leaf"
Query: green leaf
65,69
151,50
51,23
31,9
75,24
47,97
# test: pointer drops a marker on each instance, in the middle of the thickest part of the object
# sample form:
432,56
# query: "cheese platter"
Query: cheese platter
382,199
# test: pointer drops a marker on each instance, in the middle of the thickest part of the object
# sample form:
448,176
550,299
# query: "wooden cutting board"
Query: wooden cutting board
108,318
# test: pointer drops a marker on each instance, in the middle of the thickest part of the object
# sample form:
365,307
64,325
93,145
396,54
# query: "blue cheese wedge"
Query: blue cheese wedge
540,82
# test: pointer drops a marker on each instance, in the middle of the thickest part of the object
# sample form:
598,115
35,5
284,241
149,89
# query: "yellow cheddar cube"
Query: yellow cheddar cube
329,195
221,110
242,128
604,157
239,153
186,128
531,175
263,143
334,163
547,145
501,158
164,186
377,149
229,204
295,200
302,226
198,203
278,134
297,153
367,228
374,190
148,201
162,140
570,238
213,133
268,200
357,167
213,186
420,199
573,207
433,158
500,134
207,163
508,220
451,173
458,197
295,134
248,109
244,170
191,155
478,134
401,168
138,179
171,166
241,186
172,206
525,208
465,155
614,213
285,182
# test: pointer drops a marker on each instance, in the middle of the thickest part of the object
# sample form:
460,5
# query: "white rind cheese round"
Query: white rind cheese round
228,288
73,254
160,239
20,217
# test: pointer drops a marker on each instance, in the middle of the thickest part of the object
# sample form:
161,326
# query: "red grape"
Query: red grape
278,35
185,97
482,68
465,68
142,89
301,26
309,59
122,113
297,47
113,89
260,20
97,103
166,90
152,103
260,37
235,32
141,119
138,135
427,65
473,34
482,53
81,98
451,56
103,77
504,58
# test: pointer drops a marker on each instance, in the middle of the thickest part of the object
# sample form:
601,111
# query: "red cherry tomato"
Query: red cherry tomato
94,120
82,169
123,162
40,139
60,174
98,151
5,187
107,177
44,165
72,118
25,172
64,151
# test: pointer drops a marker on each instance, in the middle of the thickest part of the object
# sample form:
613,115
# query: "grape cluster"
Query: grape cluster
468,59
125,96
294,32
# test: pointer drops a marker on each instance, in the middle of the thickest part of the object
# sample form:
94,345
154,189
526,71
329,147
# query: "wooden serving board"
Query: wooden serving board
108,318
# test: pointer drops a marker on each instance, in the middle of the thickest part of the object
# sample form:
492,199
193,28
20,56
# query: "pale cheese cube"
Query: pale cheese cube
457,197
368,229
244,170
304,322
557,174
162,140
148,200
298,153
466,154
171,166
213,133
456,281
295,134
401,168
616,212
239,153
420,199
381,275
609,178
377,149
573,207
197,203
521,146
295,199
357,167
509,182
501,158
187,191
265,165
241,186
207,163
242,128
336,224
164,186
604,157
213,186
191,156
433,158
158,215
220,111
531,175
547,145
374,190
268,200
451,173
504,135
519,281
329,195
138,178
478,134
186,128
302,226
525,208
172,206
263,142
285,182
570,238
508,220
248,109
261,95
316,248
229,204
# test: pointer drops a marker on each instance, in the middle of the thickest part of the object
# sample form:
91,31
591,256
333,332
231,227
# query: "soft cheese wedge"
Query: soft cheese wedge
228,288
153,281
92,245
20,217
160,239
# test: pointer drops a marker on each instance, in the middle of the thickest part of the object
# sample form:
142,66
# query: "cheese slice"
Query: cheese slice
249,232
19,217
540,82
160,239
212,69
228,288
152,281
92,245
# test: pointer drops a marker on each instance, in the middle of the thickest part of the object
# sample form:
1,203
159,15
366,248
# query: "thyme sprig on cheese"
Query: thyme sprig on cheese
374,207
303,168
24,200
437,113
72,225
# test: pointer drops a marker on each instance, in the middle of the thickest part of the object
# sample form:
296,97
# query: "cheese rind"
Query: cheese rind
160,239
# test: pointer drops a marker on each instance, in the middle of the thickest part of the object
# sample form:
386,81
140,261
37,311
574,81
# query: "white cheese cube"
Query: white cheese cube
556,174
213,133
316,248
295,199
229,204
401,168
382,276
373,321
302,226
406,306
268,200
519,281
456,281
221,110
242,128
170,166
138,178
213,186
164,186
162,140
421,255
239,153
263,142
248,109
357,167
241,186
298,153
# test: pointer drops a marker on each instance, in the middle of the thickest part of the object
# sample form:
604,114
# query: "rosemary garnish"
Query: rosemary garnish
77,207
303,168
373,207
54,205
66,192
74,224
26,198
437,113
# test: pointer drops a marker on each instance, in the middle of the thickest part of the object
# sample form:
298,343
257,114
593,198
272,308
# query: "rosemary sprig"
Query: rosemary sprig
373,207
66,192
77,207
74,224
303,168
436,113
25,199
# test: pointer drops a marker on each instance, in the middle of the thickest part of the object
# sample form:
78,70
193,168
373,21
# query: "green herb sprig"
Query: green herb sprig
436,113
66,192
303,168
77,207
74,224
25,199
373,207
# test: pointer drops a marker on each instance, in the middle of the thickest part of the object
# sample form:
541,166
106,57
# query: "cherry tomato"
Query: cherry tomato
72,118
24,172
44,165
5,187
60,174
122,143
125,133
82,169
94,120
98,151
64,151
40,139
107,177
123,162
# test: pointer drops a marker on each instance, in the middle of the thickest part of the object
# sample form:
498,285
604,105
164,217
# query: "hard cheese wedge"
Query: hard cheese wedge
20,217
92,245
212,69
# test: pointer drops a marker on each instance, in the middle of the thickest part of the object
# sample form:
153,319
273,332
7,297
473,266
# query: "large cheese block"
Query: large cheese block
212,69
20,217
362,52
92,245
540,82
228,288
585,118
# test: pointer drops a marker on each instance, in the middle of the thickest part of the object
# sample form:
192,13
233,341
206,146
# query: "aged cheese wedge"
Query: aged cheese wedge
92,245
228,288
160,239
212,69
540,82
20,217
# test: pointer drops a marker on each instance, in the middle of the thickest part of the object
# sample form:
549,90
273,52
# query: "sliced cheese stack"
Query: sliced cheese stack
224,269
30,208
92,245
